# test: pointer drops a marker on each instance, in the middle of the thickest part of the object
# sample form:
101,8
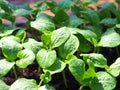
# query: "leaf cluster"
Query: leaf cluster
73,39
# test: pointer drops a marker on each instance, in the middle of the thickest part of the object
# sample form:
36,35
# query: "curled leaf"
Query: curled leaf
26,58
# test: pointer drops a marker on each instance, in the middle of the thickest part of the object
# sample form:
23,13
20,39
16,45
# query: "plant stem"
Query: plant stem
64,79
40,83
96,50
14,71
39,69
81,87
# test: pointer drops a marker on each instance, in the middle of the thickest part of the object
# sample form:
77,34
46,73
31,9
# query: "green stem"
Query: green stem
64,79
14,71
40,83
39,69
117,50
81,87
78,53
96,50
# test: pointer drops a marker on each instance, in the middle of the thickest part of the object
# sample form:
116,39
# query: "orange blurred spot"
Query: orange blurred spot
48,12
94,6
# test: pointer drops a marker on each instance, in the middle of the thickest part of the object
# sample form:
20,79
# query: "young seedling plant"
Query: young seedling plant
63,44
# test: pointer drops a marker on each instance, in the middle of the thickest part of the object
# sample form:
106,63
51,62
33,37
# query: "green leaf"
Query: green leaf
25,6
46,77
118,25
46,87
108,21
6,30
73,31
114,69
110,39
42,25
46,39
90,64
58,17
84,46
59,36
9,16
104,81
90,1
98,59
88,35
26,58
117,15
3,2
96,30
66,4
58,66
43,7
69,47
117,1
74,21
46,58
10,47
96,85
77,68
108,6
5,6
105,14
3,85
89,75
108,82
21,34
5,67
33,45
21,12
91,16
24,84
44,16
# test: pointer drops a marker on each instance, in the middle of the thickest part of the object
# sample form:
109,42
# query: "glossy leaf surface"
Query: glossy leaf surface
42,25
114,69
69,47
5,67
46,58
57,67
108,82
77,68
24,84
46,87
110,39
10,47
98,59
26,58
33,45
59,36
3,85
